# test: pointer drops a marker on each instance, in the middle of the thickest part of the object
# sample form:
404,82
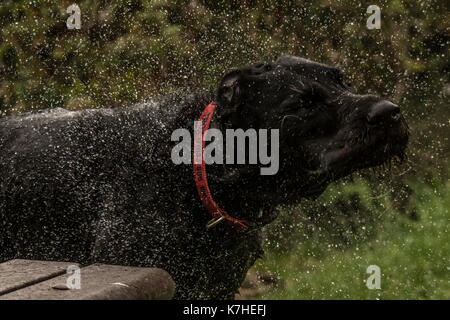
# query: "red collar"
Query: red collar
201,181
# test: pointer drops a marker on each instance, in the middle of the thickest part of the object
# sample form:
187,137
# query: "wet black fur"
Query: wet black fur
99,185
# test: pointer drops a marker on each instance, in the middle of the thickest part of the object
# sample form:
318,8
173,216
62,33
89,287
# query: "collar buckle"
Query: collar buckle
214,222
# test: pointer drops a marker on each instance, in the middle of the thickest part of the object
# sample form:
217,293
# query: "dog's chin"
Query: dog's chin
366,151
347,159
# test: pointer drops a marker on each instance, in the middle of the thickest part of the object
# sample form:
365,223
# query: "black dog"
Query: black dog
100,185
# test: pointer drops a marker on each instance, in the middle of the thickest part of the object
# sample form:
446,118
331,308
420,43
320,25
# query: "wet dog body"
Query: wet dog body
100,185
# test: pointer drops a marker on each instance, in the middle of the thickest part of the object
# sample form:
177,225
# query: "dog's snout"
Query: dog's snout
383,110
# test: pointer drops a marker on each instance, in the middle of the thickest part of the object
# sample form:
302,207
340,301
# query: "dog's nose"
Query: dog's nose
383,110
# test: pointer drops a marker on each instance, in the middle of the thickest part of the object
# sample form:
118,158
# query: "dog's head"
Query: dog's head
326,131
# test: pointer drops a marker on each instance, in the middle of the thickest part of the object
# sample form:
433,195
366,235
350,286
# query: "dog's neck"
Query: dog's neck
238,189
241,188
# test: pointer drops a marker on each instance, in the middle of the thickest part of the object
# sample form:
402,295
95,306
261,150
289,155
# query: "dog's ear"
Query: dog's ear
229,88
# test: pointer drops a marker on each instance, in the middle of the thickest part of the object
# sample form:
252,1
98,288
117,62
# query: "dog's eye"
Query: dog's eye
259,69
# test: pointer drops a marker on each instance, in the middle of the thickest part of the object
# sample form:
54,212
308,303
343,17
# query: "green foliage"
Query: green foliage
412,255
343,216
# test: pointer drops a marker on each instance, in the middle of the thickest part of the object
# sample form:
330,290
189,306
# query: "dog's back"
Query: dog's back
59,170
